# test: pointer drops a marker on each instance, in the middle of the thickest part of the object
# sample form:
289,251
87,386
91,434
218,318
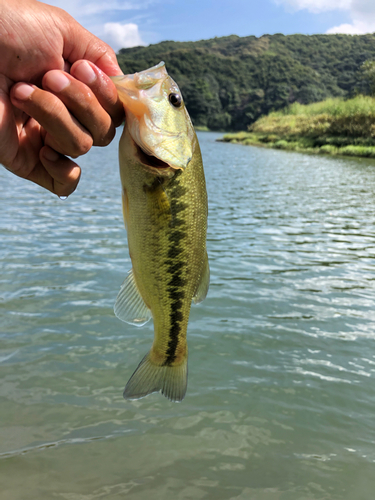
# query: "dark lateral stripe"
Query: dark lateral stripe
175,269
177,294
175,237
176,282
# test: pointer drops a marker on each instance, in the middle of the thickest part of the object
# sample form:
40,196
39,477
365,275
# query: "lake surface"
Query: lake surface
281,395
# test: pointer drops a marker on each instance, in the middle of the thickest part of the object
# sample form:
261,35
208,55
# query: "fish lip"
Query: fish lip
149,71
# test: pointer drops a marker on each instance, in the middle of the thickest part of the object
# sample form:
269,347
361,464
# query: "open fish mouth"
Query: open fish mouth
151,161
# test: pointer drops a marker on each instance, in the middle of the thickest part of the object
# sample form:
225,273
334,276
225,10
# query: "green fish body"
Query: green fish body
165,214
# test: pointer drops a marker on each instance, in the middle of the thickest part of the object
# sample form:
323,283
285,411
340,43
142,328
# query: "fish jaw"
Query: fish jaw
159,129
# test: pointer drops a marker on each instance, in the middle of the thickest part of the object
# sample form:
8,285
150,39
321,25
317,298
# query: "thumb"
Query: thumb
79,43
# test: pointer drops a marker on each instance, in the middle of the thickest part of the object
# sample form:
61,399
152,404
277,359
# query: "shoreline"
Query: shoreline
335,127
301,144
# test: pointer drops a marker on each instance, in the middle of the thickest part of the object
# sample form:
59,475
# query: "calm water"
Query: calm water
281,396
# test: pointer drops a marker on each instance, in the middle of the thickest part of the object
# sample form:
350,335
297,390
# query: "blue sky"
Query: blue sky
125,23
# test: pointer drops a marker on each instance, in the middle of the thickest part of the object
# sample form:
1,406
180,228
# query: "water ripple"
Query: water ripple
281,396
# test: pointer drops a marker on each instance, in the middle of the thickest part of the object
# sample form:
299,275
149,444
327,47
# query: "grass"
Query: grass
201,128
334,126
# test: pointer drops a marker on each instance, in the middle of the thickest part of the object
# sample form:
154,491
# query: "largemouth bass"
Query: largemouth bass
165,214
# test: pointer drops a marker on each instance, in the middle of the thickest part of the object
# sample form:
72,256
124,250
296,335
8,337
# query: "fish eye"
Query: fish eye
175,99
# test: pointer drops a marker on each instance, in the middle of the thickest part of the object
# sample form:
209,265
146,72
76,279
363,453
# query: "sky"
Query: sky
127,23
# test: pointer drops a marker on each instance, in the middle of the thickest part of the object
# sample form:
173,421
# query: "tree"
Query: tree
368,71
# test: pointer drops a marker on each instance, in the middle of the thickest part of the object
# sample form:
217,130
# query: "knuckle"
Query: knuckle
81,145
54,109
106,138
119,117
110,52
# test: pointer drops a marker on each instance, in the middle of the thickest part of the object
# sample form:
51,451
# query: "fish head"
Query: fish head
157,119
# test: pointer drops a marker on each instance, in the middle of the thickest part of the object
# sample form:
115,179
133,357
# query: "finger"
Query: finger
81,44
8,124
42,165
80,100
22,151
103,88
26,150
64,133
62,173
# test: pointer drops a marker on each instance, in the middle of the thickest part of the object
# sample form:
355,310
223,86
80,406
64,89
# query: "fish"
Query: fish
164,200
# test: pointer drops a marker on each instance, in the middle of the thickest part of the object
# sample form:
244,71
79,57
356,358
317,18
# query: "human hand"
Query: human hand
70,112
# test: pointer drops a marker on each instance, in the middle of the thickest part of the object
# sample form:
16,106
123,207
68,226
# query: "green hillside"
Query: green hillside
334,126
229,82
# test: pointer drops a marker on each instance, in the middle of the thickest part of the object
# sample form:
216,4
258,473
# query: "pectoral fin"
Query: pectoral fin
129,306
202,288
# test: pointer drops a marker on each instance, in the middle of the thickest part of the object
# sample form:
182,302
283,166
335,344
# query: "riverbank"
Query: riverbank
334,127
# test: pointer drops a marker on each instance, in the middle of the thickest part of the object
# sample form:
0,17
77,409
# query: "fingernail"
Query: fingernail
57,81
50,154
23,91
85,73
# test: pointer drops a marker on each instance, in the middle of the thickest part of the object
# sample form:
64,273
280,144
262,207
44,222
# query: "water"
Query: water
281,395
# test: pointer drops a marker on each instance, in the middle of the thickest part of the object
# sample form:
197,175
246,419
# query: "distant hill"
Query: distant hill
229,82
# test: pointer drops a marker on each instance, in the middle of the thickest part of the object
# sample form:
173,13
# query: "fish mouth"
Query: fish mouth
151,161
154,164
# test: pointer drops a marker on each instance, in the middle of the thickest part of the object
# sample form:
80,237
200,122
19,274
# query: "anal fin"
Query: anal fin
129,306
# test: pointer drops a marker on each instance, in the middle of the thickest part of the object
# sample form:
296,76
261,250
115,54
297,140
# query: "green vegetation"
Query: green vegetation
333,126
229,82
368,70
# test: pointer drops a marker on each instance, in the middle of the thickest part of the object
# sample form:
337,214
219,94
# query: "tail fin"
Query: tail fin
149,378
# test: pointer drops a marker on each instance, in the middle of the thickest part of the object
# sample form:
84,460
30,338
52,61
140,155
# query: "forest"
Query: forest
229,82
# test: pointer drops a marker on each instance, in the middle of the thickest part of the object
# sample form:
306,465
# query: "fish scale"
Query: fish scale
165,212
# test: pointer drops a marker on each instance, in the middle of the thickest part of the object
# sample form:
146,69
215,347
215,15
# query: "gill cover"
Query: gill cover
156,116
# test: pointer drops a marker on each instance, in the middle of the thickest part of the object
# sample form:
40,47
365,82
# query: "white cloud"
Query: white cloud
356,28
97,16
361,13
120,36
316,6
